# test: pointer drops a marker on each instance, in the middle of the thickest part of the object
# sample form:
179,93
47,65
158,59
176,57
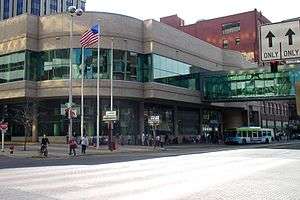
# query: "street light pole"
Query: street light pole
71,10
111,91
70,78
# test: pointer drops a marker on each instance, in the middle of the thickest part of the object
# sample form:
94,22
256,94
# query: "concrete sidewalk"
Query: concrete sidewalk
62,151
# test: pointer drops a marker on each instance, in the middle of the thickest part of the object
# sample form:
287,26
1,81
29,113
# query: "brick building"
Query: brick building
237,32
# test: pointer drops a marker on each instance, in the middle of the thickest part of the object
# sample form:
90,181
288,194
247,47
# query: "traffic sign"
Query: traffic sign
3,126
280,41
111,113
153,120
110,116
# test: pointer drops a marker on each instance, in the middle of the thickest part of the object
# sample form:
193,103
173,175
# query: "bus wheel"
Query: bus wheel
267,141
244,141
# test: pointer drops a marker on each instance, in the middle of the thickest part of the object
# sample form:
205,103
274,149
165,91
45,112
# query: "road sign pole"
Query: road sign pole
2,144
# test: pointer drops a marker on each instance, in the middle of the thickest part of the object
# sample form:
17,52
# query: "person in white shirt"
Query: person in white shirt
84,144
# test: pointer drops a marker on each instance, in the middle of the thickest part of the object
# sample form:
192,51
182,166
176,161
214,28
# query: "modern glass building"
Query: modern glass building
11,8
156,71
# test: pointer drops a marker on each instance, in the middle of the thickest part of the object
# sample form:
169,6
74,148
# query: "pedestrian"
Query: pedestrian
162,141
72,146
157,141
143,139
166,139
84,143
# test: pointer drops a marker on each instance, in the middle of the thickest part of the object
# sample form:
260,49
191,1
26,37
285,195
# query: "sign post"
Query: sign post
3,129
154,121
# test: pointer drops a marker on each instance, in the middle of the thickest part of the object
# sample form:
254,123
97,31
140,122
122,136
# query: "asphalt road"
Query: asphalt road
175,174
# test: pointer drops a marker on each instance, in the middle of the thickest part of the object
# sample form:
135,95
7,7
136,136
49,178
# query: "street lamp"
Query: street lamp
72,10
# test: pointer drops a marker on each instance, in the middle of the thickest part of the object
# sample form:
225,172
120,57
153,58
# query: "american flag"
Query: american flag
90,37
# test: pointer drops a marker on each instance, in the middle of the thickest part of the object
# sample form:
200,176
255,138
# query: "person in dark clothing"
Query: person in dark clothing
44,145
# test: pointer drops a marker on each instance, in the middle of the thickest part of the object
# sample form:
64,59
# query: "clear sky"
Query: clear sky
194,10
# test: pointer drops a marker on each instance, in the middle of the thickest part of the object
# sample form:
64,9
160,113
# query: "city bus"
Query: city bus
248,135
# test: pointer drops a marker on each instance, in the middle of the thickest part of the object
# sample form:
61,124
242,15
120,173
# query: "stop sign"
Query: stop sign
3,126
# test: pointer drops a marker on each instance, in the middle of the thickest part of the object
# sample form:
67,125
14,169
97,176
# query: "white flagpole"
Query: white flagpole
82,103
111,91
98,87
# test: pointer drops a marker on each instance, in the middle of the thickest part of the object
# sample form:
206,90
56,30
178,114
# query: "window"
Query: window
249,133
225,44
264,133
83,5
237,41
254,134
259,134
53,6
35,7
269,133
231,28
6,9
244,133
20,7
239,134
69,3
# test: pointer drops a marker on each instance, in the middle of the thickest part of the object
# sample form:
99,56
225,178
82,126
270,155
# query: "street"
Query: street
236,173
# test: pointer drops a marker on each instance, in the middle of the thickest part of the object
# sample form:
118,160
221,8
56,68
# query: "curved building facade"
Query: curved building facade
155,69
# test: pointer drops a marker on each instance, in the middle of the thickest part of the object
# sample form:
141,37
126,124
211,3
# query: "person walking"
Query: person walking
143,139
72,146
84,144
44,146
157,141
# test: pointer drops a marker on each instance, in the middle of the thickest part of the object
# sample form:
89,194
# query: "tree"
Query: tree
26,115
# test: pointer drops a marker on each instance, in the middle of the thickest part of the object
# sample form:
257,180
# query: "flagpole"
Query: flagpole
82,103
98,87
111,91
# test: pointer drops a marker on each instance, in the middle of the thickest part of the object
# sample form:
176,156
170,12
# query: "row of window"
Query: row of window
253,133
36,6
130,66
231,28
274,109
226,43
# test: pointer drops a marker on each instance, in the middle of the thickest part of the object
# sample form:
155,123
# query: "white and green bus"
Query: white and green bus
248,135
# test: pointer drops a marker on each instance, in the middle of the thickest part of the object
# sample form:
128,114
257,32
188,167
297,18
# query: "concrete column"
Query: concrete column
48,7
24,6
175,112
11,12
200,120
141,118
29,7
42,7
35,124
1,9
58,6
15,8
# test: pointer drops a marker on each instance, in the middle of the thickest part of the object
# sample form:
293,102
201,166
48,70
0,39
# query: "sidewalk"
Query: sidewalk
62,151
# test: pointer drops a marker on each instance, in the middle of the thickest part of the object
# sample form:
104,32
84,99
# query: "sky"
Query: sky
194,10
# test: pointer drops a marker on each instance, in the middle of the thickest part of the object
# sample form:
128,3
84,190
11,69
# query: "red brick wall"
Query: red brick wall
211,30
173,21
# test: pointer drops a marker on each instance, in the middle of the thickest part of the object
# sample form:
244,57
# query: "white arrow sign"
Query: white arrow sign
280,41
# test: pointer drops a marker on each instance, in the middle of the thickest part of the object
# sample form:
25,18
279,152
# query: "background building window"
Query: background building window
6,9
20,6
231,28
69,3
83,5
35,7
225,44
53,6
237,41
